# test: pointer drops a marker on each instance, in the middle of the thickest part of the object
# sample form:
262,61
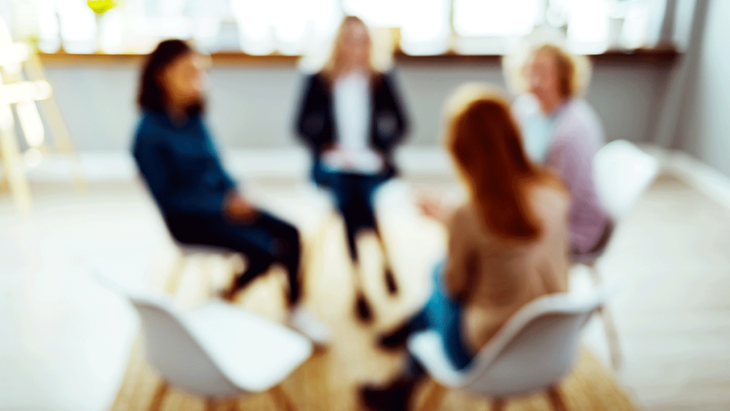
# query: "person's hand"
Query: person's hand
238,208
434,209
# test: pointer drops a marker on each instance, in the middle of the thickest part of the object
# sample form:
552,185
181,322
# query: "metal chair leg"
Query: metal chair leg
281,398
555,399
159,396
434,395
609,325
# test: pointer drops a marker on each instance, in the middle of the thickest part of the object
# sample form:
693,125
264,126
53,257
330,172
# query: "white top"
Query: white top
353,112
537,128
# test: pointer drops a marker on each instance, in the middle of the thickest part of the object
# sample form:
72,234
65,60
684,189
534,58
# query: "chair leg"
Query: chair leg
612,336
609,325
211,404
173,279
434,395
555,398
281,398
159,396
498,404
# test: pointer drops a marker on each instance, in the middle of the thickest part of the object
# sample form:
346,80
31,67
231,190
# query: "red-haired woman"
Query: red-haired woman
508,244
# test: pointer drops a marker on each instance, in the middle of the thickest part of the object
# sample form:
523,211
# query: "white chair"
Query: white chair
217,351
622,173
533,351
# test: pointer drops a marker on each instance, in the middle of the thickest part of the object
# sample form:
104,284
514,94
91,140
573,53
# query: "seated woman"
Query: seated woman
351,119
563,132
508,245
198,199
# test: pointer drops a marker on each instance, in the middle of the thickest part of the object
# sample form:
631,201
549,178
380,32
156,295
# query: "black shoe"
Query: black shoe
362,309
395,397
390,281
396,339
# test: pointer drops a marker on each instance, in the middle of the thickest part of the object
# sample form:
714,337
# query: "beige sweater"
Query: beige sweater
494,278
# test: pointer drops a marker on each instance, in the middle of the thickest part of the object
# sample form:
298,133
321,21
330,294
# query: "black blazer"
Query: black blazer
316,119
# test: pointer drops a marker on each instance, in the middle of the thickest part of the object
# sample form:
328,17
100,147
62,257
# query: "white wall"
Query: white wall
704,126
254,106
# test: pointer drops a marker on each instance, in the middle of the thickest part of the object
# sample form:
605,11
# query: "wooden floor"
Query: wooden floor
330,379
672,314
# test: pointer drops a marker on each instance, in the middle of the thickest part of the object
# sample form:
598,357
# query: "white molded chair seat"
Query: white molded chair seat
622,173
217,350
533,351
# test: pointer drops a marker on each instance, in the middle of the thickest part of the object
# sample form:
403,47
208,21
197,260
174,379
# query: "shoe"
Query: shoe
362,309
394,397
390,281
308,324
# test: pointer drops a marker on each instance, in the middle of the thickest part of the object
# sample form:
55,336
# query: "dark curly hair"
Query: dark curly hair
152,95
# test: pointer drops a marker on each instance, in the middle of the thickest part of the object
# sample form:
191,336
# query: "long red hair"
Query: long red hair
487,147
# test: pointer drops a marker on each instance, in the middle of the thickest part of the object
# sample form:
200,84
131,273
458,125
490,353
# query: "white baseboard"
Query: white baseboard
694,172
294,163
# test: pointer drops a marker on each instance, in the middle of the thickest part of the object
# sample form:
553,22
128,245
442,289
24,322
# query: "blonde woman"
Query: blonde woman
351,118
508,244
563,132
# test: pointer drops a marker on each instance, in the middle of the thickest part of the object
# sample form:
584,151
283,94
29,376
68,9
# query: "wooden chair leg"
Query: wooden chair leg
555,398
498,404
159,396
233,405
281,399
173,279
434,395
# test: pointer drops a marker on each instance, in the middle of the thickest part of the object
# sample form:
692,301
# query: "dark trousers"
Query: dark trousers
354,194
264,240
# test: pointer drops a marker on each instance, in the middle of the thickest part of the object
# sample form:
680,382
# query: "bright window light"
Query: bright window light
49,39
588,26
112,32
487,18
293,24
426,32
378,13
78,26
255,20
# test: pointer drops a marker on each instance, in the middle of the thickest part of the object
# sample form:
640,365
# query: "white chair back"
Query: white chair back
533,351
170,347
622,173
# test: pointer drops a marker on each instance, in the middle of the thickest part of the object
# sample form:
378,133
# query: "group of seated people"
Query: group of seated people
532,206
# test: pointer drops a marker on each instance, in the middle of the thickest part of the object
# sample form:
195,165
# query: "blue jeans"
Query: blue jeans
444,315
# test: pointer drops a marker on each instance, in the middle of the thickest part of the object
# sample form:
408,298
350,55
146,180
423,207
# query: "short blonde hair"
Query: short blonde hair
574,71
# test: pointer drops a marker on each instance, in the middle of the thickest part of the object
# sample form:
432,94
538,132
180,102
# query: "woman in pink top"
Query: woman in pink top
561,131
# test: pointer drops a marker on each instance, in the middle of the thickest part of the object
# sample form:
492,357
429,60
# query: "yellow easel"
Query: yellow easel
18,61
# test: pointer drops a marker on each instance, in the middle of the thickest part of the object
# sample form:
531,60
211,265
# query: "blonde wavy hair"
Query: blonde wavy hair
574,71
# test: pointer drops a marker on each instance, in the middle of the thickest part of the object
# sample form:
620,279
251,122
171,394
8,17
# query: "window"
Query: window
293,27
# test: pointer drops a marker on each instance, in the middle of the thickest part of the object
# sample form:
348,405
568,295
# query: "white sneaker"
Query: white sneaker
308,324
